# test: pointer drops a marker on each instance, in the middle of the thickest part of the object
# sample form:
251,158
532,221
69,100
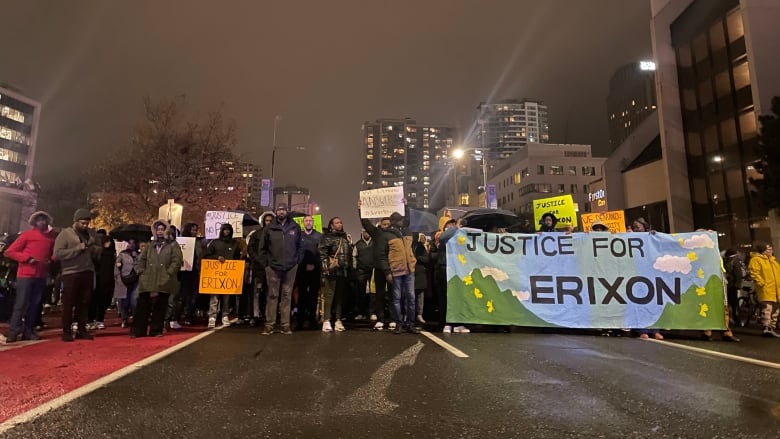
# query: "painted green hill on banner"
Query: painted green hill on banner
478,299
699,308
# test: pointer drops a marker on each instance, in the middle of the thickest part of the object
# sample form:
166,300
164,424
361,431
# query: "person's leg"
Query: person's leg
213,306
409,299
382,287
419,303
33,309
84,296
24,286
68,296
285,298
141,315
440,280
397,294
159,309
271,307
327,297
340,293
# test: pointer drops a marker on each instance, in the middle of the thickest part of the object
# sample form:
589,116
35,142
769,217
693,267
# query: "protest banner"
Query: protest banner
215,219
382,202
187,245
317,222
584,280
614,219
562,207
221,277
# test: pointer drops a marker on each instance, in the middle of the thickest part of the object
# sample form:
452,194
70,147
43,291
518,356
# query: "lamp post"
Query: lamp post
274,148
459,153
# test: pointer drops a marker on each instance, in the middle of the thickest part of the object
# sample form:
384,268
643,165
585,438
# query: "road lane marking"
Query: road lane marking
749,360
450,348
91,387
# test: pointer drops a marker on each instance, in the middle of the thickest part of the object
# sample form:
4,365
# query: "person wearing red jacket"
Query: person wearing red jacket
33,251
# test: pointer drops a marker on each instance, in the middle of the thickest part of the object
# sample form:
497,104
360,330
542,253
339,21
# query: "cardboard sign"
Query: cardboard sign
614,219
562,207
382,202
215,219
221,277
317,222
187,245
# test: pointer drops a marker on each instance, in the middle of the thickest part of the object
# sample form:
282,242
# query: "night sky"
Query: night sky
325,67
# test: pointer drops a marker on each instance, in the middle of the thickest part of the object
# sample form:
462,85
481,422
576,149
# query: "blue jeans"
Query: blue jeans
127,305
29,291
403,289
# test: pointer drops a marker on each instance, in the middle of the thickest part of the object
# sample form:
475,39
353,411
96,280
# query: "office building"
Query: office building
505,127
296,198
631,99
251,180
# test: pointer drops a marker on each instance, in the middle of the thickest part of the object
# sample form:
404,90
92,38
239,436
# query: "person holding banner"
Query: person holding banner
158,269
381,285
223,248
280,252
335,257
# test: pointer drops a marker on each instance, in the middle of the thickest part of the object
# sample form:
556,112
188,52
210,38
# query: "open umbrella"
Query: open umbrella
487,218
248,219
139,232
422,221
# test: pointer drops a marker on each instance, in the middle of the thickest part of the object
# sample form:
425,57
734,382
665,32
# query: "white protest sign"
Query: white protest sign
120,246
187,245
380,203
215,219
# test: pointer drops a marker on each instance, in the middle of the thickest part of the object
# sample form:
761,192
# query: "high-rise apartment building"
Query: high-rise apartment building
405,152
251,181
18,133
506,126
631,99
716,71
296,198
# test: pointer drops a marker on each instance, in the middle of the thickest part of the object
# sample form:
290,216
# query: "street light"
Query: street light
277,118
481,155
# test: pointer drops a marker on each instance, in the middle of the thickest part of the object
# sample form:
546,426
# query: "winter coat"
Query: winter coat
280,245
335,244
224,246
394,248
158,271
310,248
736,271
420,271
125,263
104,269
74,259
32,244
364,255
765,272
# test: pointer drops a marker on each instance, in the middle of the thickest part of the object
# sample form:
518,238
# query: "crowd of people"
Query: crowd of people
296,277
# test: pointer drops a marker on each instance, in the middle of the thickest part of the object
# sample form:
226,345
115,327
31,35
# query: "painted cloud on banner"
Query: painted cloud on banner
522,296
495,273
698,241
672,264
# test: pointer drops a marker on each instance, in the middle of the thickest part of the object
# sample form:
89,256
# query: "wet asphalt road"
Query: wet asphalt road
238,384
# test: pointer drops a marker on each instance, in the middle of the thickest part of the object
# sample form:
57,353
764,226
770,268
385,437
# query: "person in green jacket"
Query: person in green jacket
158,267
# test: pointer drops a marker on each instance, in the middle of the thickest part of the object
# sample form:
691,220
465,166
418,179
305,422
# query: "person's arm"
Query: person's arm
62,250
446,235
262,247
755,272
140,265
18,250
177,259
211,250
382,261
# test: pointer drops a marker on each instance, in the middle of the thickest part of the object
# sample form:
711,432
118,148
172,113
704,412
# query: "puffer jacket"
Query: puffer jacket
765,272
394,250
280,245
335,244
158,271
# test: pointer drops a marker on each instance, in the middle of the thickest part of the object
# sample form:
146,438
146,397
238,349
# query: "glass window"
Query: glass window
574,188
689,99
572,170
588,170
694,144
556,170
700,48
705,92
545,188
561,188
728,132
735,27
717,37
747,125
540,170
722,84
741,76
684,56
711,139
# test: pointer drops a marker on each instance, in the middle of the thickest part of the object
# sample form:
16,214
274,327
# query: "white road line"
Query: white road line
452,349
720,354
91,387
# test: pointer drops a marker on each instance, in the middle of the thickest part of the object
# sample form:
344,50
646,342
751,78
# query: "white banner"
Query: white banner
215,219
187,245
380,203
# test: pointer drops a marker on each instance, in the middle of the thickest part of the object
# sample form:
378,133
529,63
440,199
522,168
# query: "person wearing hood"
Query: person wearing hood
765,272
75,248
259,282
396,259
158,268
222,249
280,252
33,251
335,257
548,222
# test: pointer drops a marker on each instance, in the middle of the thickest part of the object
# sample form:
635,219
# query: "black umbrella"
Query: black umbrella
486,219
139,232
248,219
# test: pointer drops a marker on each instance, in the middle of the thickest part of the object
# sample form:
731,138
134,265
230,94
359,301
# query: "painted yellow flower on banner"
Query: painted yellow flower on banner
490,306
477,293
462,259
692,256
700,273
681,241
703,308
700,291
461,240
468,280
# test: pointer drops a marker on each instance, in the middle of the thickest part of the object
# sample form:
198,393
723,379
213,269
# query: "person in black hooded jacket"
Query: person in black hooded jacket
223,248
336,258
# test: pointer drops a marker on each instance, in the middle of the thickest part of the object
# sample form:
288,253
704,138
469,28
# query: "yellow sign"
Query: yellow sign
562,207
221,277
317,219
614,219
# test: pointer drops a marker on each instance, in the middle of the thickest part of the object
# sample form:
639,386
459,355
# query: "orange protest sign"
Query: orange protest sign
614,219
221,277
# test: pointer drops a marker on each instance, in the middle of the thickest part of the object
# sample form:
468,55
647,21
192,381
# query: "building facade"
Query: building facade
545,170
296,197
251,180
19,117
631,99
716,71
505,127
415,155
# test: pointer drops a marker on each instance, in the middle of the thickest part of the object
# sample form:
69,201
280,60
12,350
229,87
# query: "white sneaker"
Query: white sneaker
379,326
447,329
226,321
74,327
373,318
420,320
90,326
175,325
461,329
392,325
212,322
100,325
326,326
359,317
339,326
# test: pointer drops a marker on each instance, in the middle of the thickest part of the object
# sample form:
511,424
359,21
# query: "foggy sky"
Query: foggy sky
325,67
